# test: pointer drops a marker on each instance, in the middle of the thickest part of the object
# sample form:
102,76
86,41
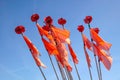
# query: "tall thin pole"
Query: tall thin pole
70,75
53,66
61,71
100,68
42,73
86,58
95,58
89,68
77,71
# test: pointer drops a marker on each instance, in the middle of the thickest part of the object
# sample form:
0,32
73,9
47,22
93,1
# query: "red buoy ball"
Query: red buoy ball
20,29
80,28
88,19
34,17
96,30
61,21
48,20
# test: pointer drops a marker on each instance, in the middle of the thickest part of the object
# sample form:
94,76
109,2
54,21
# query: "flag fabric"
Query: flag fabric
64,56
99,41
87,42
63,35
74,56
87,57
50,47
35,53
104,58
43,32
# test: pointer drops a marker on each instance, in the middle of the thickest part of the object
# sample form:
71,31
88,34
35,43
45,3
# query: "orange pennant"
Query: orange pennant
87,58
74,56
87,42
104,58
63,35
50,47
34,51
99,41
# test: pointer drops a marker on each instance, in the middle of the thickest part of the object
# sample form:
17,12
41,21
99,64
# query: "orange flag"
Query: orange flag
74,56
34,51
104,58
43,32
99,41
63,54
87,42
87,58
63,35
50,47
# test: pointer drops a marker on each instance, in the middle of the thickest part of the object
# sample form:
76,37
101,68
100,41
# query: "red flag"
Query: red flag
87,58
50,47
74,56
63,35
63,54
87,42
34,51
99,41
43,31
104,58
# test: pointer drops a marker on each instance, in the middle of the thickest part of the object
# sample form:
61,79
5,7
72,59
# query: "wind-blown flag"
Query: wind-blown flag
62,35
43,32
99,41
50,47
104,58
74,56
87,42
34,51
87,58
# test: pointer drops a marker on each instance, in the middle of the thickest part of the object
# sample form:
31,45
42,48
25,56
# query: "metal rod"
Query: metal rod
77,71
42,73
95,58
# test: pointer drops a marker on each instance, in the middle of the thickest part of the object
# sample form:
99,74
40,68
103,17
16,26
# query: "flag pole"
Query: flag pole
86,58
53,66
95,58
100,68
42,73
70,75
67,74
61,71
89,68
77,71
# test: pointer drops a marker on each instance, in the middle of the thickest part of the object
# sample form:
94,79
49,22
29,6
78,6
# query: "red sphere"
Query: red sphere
19,29
88,19
80,28
96,30
34,17
61,21
46,28
48,20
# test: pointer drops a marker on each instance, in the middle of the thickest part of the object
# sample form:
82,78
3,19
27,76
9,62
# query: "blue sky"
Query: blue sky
16,62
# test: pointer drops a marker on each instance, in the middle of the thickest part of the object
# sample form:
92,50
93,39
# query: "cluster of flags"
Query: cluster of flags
56,40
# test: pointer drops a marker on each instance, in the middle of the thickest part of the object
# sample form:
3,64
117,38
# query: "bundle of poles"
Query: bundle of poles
56,40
